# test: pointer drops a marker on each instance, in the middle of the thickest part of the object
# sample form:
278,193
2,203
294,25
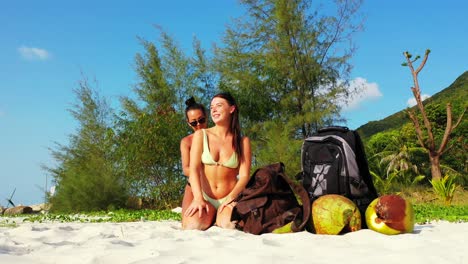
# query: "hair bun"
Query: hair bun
191,101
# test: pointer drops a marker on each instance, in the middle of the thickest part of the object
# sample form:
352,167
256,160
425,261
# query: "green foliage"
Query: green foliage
384,183
444,188
424,213
137,152
7,223
149,157
275,145
454,159
103,216
150,129
85,174
428,212
286,63
393,156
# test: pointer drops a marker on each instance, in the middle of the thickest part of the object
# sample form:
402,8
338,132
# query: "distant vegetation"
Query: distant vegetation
396,159
457,93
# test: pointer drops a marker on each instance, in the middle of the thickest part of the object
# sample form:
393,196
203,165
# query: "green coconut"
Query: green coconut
335,214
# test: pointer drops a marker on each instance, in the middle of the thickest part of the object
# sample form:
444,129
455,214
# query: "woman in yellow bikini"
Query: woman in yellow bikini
220,160
195,115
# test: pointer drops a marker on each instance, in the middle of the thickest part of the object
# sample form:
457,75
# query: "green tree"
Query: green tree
149,132
395,151
151,127
288,63
455,161
186,76
204,74
86,173
275,144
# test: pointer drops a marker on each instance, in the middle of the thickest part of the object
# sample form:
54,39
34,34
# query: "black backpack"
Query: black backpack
333,161
268,202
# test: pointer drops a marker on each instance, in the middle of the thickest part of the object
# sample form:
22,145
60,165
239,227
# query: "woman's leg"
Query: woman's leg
188,197
195,221
223,218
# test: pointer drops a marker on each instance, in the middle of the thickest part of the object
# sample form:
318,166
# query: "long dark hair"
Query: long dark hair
234,127
193,105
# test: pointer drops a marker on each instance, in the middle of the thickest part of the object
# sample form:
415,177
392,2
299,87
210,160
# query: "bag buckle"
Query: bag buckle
255,212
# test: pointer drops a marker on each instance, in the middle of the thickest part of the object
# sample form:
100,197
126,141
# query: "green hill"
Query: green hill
456,93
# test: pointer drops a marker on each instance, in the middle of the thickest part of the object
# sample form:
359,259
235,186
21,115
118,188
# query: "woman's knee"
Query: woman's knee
223,218
198,223
192,225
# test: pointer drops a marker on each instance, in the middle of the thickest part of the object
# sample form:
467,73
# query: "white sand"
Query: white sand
165,242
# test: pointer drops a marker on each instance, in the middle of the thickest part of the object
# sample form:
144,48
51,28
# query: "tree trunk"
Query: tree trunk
435,166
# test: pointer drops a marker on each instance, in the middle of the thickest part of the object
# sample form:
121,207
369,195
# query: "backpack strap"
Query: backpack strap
341,129
364,166
298,190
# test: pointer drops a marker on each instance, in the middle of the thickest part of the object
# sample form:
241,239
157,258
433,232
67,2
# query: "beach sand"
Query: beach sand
165,242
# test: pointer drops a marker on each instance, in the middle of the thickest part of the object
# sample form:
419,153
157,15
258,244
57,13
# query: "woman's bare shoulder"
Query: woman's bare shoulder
186,140
197,134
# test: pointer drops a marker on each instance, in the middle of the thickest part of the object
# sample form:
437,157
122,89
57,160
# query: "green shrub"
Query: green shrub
444,188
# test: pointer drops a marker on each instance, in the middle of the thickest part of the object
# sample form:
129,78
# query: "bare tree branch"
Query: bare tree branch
448,129
417,95
450,146
460,118
426,55
417,127
430,145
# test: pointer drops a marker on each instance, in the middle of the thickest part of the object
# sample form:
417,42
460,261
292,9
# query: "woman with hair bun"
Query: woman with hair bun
195,115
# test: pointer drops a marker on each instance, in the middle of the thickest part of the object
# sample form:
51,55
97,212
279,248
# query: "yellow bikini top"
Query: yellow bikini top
207,159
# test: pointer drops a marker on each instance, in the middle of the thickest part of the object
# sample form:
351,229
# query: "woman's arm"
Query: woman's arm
185,156
244,170
198,202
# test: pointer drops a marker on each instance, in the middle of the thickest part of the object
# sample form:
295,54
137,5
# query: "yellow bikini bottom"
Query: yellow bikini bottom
215,202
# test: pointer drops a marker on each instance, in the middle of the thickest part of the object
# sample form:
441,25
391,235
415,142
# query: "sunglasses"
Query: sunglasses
199,121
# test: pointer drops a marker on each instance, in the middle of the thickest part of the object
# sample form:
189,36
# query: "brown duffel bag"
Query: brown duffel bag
269,203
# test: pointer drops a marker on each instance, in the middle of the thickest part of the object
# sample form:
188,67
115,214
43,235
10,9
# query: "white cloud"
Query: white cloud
412,101
31,53
365,91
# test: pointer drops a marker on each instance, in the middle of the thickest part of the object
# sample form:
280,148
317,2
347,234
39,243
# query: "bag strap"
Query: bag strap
364,166
299,190
341,129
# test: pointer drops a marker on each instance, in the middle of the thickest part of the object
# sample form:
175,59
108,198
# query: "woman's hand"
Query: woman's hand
197,205
228,203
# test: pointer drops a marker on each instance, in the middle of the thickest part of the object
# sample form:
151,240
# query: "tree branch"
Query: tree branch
427,123
417,95
448,129
417,127
421,66
450,146
447,133
460,118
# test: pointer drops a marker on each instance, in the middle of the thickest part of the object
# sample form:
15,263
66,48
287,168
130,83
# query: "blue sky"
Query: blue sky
46,45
